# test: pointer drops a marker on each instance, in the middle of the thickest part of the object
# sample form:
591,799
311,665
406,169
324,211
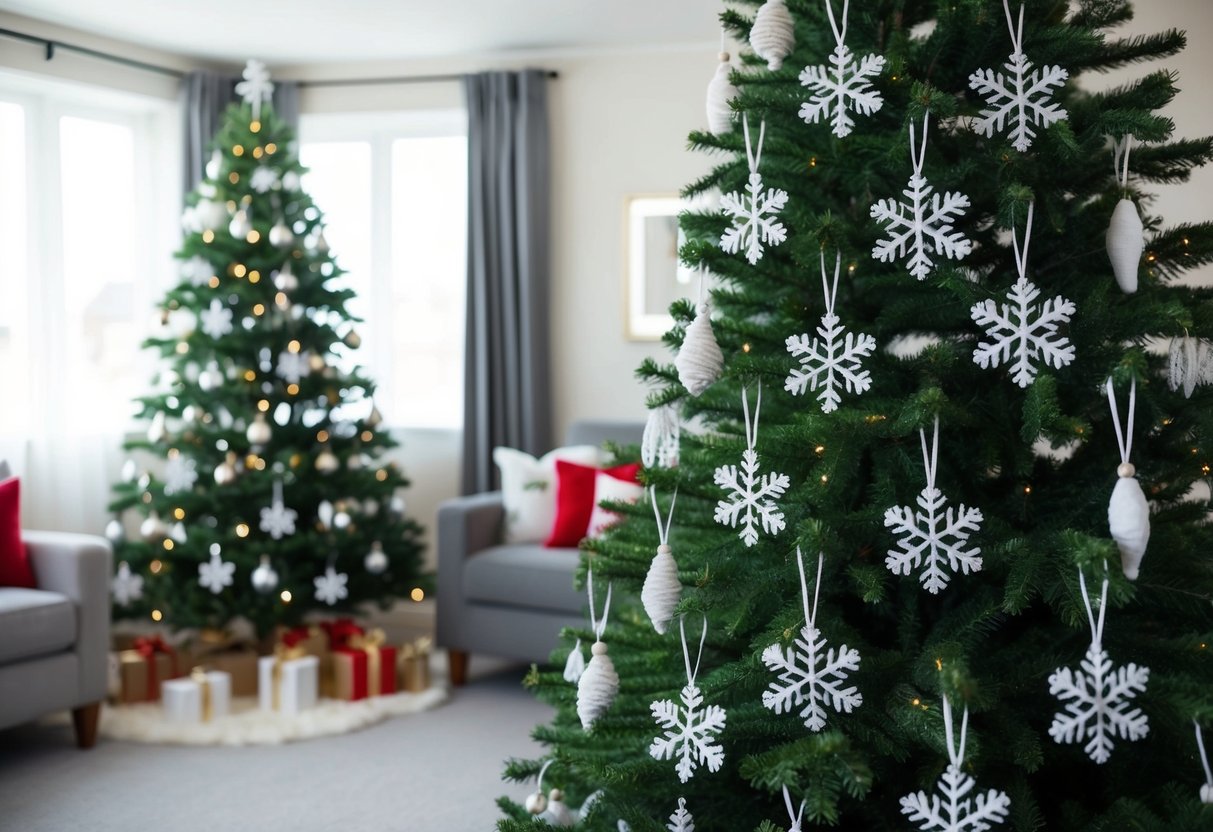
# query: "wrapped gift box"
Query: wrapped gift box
235,657
289,681
199,697
313,640
364,667
414,665
142,669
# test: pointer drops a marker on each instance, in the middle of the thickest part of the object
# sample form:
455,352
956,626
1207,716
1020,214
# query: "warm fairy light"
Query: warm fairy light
293,346
250,461
254,126
745,347
381,475
285,596
238,150
938,663
813,162
874,418
253,236
250,375
247,199
213,282
1167,421
825,478
1027,489
239,270
263,405
231,206
819,450
155,566
1204,469
173,453
182,348
282,300
271,148
242,530
254,276
168,545
851,268
233,177
322,436
178,513
1195,452
915,701
1204,646
366,436
1150,257
157,615
259,309
257,151
418,594
292,389
892,77
147,496
208,236
296,459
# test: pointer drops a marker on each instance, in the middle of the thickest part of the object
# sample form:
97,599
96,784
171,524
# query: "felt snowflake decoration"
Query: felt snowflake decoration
751,501
754,213
293,366
197,271
180,473
216,320
256,86
935,538
956,808
681,820
689,730
330,587
264,179
1021,98
126,585
843,85
216,573
1098,698
810,675
1021,328
922,225
828,359
276,519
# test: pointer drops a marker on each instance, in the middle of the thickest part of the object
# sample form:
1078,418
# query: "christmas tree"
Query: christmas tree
966,403
266,500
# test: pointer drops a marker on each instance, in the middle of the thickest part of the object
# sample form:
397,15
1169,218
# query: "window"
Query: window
393,190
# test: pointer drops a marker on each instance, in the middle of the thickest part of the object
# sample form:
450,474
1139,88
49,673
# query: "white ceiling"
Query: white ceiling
317,31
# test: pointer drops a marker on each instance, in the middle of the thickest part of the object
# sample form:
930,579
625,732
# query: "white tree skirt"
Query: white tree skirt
248,725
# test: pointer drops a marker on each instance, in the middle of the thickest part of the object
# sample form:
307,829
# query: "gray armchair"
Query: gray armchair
507,600
54,640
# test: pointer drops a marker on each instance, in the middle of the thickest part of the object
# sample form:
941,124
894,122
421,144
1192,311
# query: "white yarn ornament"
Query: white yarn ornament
720,92
662,589
1206,790
773,34
574,665
598,685
796,817
1126,239
1128,511
662,432
1191,365
699,361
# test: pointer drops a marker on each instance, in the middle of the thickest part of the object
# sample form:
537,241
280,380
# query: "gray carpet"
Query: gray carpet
437,771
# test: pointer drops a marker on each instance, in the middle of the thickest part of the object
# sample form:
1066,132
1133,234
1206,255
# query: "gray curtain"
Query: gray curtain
204,96
507,397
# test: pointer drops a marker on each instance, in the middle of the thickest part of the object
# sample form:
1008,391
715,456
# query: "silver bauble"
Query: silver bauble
259,432
264,578
115,532
240,226
153,529
285,279
376,559
280,235
214,165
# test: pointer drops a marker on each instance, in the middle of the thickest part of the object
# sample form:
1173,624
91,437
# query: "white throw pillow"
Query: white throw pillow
528,489
608,488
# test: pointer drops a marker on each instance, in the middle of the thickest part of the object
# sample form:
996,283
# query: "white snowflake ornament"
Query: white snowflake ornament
1021,329
921,226
956,808
293,366
810,675
1097,698
842,86
180,473
751,501
1021,98
934,539
681,820
197,271
689,730
256,86
126,586
753,213
331,586
216,573
276,519
827,361
264,179
216,319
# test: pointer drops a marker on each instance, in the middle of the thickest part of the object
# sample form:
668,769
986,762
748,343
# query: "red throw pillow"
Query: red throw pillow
575,499
14,561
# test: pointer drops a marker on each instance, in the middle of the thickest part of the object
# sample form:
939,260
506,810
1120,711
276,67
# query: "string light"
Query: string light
259,309
233,177
263,405
182,348
271,148
381,475
745,347
418,594
238,150
242,530
293,346
1027,489
939,664
322,436
213,282
257,152
155,566
168,545
819,450
208,236
250,375
254,276
292,389
824,479
156,615
178,513
366,436
239,270
253,236
255,127
282,300
285,596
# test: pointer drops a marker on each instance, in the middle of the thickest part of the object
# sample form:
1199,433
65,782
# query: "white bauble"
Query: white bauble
536,802
177,532
225,472
158,429
115,532
264,578
1125,241
557,814
211,378
662,589
214,165
153,529
1206,794
773,35
720,92
376,560
342,520
240,226
285,280
699,360
1129,521
290,180
280,235
209,214
326,462
259,432
597,687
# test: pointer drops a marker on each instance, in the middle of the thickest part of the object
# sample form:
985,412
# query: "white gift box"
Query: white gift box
298,684
190,699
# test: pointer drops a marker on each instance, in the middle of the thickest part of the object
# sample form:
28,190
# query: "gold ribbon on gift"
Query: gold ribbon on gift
370,642
282,655
415,664
199,677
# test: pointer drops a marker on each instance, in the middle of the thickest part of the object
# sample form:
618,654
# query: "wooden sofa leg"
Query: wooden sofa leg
457,661
85,719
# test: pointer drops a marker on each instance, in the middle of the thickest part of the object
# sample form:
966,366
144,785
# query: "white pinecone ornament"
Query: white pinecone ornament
662,589
773,34
1128,511
599,684
720,92
700,361
1126,237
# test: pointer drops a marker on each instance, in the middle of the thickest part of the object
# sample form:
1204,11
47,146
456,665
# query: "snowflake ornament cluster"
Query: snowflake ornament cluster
1021,329
256,86
689,729
810,675
276,519
180,473
331,586
826,360
956,807
753,213
842,86
216,573
1021,99
1098,698
264,179
293,366
126,586
751,501
935,538
921,226
216,319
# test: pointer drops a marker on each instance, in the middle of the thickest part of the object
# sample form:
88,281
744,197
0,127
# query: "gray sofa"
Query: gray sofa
54,640
508,600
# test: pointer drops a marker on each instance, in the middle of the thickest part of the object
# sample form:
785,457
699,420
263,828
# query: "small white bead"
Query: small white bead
1125,469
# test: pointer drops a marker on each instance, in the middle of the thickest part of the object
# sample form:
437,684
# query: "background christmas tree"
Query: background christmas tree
260,391
1039,461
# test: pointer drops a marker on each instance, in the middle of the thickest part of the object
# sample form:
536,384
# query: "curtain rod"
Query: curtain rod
50,45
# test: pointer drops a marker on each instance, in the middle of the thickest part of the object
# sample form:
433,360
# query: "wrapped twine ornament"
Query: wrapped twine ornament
1128,511
1125,239
662,433
796,817
662,589
598,685
699,361
720,92
773,34
1206,789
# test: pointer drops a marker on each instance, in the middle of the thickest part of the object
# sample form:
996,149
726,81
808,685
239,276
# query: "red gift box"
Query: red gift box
364,667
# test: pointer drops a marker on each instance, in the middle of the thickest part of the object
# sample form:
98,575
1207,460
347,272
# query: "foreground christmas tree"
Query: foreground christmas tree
915,523
268,500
